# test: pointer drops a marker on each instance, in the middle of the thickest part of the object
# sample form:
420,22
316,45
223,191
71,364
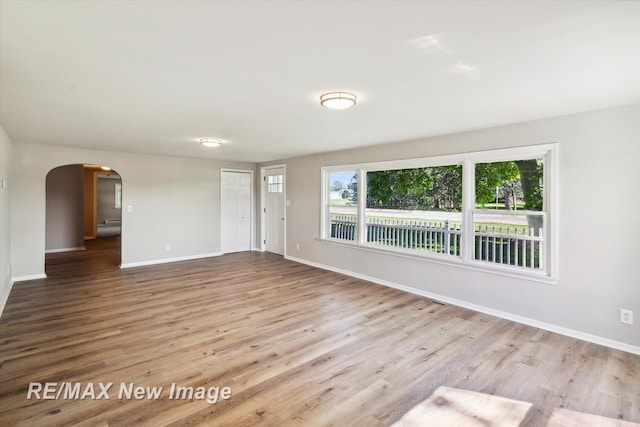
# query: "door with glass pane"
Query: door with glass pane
274,210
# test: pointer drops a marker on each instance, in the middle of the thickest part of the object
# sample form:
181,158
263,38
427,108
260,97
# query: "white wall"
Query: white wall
174,200
5,216
64,208
106,200
599,232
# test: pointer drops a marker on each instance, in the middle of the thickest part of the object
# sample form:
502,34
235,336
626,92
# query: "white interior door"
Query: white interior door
235,211
274,210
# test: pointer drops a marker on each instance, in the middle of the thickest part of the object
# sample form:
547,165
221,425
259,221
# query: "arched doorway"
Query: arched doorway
83,219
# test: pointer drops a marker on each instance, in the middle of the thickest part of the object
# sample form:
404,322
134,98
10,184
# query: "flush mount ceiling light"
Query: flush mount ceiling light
211,142
338,100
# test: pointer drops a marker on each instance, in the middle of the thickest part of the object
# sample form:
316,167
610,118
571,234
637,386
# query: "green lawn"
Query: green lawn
341,202
519,206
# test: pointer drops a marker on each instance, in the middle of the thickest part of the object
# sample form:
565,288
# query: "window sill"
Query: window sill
456,261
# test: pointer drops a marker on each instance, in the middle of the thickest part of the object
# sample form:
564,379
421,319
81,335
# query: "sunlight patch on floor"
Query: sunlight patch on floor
564,417
456,407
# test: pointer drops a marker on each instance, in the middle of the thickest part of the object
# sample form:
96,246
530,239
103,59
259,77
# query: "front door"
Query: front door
274,210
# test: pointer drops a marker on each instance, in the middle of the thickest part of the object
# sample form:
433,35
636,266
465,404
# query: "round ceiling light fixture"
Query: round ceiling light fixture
338,100
211,142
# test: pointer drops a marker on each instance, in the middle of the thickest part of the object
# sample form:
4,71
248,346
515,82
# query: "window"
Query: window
508,219
488,210
343,204
275,183
118,195
417,208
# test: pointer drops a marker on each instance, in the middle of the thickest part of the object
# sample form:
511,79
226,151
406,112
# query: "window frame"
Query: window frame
548,152
275,185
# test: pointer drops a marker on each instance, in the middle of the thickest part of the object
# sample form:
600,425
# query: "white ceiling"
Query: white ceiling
154,76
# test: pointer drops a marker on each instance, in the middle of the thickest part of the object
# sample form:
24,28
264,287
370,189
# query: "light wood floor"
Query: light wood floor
298,346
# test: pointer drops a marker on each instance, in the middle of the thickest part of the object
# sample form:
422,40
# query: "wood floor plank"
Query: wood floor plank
298,346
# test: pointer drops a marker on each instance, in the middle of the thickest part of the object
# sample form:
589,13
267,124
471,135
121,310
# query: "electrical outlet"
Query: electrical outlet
626,316
167,247
297,246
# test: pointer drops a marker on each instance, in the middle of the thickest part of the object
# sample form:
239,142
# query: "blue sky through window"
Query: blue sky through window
343,177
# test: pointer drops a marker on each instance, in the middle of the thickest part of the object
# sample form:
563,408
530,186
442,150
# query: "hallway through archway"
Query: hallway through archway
83,219
100,255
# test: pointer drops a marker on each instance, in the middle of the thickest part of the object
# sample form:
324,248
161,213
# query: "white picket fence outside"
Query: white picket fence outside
440,237
515,246
509,245
343,227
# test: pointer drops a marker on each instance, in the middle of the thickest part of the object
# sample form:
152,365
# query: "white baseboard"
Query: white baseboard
618,345
55,251
5,297
30,277
168,260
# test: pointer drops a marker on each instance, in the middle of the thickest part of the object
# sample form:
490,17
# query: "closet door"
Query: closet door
235,211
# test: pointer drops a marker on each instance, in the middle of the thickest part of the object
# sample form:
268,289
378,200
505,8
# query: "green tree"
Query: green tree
430,188
353,186
398,189
446,190
531,177
531,173
492,175
510,192
525,176
520,177
440,188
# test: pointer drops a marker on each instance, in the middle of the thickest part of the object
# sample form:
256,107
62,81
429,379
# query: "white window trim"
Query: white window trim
468,162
